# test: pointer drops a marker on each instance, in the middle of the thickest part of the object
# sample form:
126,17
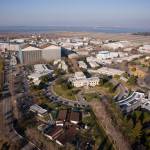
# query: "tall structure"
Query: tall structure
32,55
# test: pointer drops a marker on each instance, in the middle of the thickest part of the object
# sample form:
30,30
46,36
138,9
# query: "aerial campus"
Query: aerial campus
74,88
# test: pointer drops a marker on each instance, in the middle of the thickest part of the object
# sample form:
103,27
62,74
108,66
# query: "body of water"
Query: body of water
53,29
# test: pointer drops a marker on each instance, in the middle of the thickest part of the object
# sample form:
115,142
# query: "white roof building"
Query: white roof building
117,45
82,64
37,109
93,64
144,49
62,65
79,75
135,100
39,71
106,71
80,80
109,55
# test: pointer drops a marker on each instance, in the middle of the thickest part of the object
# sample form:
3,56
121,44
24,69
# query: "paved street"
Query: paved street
79,102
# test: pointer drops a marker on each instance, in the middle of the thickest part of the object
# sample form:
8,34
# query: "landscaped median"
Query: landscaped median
64,89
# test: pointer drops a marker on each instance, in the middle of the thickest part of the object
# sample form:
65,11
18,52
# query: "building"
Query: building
67,126
102,55
62,65
80,80
79,75
39,110
32,55
82,64
93,64
107,71
144,49
40,70
9,46
13,60
127,58
133,101
117,45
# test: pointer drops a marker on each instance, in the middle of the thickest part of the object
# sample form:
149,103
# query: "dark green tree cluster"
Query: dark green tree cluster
140,133
132,80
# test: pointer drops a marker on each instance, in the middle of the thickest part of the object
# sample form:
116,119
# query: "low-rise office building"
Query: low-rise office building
82,64
107,71
144,49
109,55
79,80
117,45
7,46
134,101
39,110
40,70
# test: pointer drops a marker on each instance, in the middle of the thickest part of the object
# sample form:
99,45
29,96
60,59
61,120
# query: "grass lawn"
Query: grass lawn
64,92
90,96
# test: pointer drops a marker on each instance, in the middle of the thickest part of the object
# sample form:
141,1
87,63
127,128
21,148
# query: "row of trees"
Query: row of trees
1,71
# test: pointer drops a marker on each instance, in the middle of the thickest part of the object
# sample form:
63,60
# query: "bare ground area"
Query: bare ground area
105,121
101,36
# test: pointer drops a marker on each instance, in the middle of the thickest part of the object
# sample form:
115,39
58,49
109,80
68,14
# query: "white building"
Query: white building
79,75
107,71
82,64
32,55
39,110
82,53
79,80
9,46
40,70
102,55
93,64
13,60
135,100
144,49
62,65
117,45
127,58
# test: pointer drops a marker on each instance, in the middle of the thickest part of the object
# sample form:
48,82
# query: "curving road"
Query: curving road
52,95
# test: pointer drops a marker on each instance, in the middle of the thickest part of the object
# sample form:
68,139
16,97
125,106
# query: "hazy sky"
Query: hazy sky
122,13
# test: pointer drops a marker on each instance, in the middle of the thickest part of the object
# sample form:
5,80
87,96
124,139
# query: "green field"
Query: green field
63,89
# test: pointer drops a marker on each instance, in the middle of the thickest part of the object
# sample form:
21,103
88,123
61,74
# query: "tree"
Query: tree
132,80
137,131
125,75
133,69
117,76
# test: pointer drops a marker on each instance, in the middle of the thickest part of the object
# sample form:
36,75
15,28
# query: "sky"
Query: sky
106,13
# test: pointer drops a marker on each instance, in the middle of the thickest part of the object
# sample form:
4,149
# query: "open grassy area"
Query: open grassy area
91,96
62,89
66,93
100,89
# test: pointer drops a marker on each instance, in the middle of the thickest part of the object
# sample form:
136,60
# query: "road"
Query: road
7,109
79,102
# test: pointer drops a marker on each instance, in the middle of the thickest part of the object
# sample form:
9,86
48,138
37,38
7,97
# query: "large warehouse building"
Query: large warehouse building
31,55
